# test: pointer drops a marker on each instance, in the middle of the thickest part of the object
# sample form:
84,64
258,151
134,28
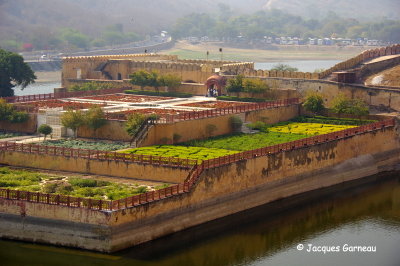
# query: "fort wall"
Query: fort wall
219,192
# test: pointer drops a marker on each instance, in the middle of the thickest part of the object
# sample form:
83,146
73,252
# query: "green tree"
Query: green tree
340,104
235,84
254,85
95,118
358,108
45,130
133,124
74,38
73,120
13,72
343,105
140,78
8,113
314,103
170,81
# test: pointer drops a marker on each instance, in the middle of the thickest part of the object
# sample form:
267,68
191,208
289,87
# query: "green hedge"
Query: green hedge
160,93
331,120
239,99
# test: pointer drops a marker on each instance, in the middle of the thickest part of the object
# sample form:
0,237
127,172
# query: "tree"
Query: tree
170,81
133,124
95,118
8,113
254,85
45,130
358,108
314,103
343,105
235,84
140,78
13,72
73,120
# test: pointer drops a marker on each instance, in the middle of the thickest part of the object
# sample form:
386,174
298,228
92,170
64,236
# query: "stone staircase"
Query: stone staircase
142,133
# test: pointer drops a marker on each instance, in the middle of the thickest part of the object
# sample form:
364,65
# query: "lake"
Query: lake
360,214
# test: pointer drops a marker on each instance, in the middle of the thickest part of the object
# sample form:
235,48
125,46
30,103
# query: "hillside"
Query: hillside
21,20
19,17
360,9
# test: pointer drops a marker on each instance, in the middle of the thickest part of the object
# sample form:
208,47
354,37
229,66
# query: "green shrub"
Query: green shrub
235,123
258,126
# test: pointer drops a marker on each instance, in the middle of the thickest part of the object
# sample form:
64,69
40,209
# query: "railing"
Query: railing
193,174
143,131
167,119
301,143
55,199
97,155
60,95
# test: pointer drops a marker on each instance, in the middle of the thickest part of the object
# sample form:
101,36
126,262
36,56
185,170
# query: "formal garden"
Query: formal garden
266,135
76,186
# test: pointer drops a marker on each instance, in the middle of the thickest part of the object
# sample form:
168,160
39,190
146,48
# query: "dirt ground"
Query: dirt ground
186,50
388,77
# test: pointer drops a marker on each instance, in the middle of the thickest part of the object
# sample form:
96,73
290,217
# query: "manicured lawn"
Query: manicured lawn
184,152
73,186
332,120
281,133
82,144
308,128
244,142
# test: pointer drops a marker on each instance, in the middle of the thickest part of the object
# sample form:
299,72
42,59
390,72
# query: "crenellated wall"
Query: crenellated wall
119,67
361,58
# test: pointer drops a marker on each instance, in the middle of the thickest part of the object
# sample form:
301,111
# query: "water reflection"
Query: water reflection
360,214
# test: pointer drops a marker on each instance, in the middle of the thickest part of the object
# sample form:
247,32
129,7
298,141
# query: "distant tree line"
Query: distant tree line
276,23
43,39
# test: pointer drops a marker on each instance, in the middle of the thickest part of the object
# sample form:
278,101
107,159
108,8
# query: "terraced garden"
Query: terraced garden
72,186
183,152
229,144
83,144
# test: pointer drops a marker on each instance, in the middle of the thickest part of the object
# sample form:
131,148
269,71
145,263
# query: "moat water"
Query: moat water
360,214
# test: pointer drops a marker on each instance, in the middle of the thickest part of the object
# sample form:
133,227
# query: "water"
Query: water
302,65
37,88
360,214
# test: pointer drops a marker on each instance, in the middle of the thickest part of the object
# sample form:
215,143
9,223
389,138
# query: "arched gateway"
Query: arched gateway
215,84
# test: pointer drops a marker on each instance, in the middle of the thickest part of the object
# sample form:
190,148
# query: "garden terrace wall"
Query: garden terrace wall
193,126
229,188
28,126
258,180
374,96
169,170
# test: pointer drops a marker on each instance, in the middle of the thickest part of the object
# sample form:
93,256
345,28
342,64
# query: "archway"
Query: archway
215,84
